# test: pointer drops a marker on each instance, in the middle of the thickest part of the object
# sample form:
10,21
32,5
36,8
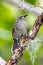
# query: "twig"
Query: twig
20,50
26,6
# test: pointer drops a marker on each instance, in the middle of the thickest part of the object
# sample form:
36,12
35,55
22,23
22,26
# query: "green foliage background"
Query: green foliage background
8,16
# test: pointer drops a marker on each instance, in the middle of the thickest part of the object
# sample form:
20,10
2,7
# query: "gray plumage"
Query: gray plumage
19,31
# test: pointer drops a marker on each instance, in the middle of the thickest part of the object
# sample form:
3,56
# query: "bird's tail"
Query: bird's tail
15,45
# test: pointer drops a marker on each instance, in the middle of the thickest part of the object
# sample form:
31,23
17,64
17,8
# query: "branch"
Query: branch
2,61
17,54
26,6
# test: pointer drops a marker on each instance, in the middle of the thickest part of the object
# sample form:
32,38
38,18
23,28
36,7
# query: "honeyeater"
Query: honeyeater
19,30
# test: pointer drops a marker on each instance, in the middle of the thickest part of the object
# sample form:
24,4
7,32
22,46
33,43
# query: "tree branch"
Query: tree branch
2,61
26,6
17,54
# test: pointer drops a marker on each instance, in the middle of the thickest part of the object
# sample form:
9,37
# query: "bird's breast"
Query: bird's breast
21,24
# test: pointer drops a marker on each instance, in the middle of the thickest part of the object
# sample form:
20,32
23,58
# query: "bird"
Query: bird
19,31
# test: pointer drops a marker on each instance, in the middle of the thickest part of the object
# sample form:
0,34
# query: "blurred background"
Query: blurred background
8,15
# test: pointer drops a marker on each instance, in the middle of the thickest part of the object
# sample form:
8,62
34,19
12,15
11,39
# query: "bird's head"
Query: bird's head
22,17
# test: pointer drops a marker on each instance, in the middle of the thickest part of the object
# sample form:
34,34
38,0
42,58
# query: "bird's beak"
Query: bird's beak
25,16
